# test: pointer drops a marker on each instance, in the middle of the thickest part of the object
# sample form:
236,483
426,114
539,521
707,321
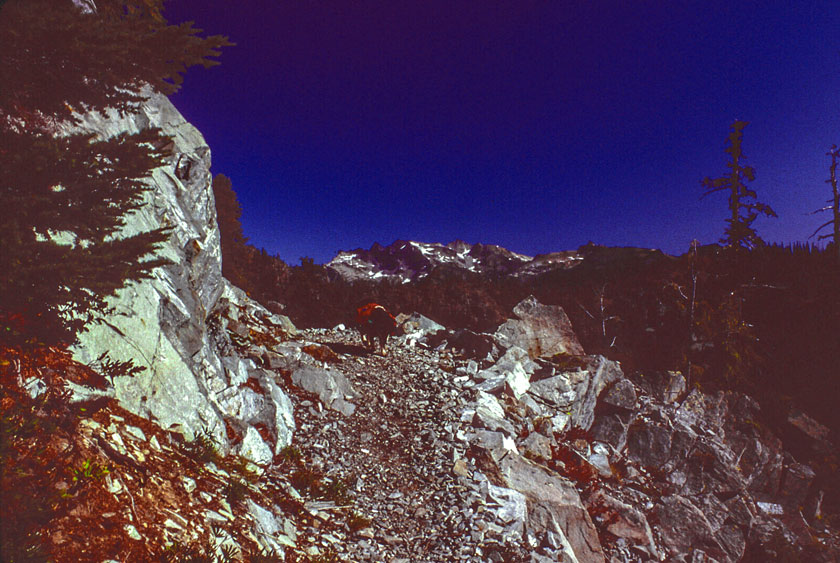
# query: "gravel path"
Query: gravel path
398,454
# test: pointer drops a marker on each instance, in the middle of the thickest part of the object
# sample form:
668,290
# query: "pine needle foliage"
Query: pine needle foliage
62,58
66,193
743,205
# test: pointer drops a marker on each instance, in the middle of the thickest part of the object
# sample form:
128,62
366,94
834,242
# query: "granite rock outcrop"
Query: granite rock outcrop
180,326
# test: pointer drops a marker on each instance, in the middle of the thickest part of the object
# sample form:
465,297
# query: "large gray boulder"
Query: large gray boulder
416,326
174,325
576,392
512,372
541,330
331,386
687,532
649,444
553,507
621,520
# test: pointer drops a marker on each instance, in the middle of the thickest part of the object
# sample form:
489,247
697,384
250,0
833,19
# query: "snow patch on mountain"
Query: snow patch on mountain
405,261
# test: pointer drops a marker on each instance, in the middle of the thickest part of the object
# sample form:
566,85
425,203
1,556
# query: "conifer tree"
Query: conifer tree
233,241
834,202
743,206
65,193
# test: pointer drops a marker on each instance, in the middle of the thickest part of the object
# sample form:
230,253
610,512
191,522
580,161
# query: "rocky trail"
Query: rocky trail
431,455
400,453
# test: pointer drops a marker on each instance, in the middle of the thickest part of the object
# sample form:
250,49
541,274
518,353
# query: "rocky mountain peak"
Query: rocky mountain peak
404,261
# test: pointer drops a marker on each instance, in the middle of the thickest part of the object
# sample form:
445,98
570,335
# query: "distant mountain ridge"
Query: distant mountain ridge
404,261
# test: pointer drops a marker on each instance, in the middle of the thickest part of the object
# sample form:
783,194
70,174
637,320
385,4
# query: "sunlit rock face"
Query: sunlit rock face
541,330
174,325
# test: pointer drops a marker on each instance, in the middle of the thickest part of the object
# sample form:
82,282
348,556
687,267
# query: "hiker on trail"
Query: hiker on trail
375,324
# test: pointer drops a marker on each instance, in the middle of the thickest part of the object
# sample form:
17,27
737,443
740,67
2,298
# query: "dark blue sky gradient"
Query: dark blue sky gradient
535,126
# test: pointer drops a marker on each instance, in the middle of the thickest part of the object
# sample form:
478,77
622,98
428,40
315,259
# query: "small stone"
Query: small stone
290,529
214,516
254,449
92,424
460,468
620,394
391,540
601,462
132,532
225,509
153,441
808,425
135,432
169,523
771,508
189,484
117,442
114,486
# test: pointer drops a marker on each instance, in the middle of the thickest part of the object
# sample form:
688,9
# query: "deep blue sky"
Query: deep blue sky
536,126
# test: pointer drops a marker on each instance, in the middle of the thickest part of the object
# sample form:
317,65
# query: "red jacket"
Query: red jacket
375,320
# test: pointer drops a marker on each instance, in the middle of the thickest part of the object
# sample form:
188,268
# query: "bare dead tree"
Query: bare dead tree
834,204
603,316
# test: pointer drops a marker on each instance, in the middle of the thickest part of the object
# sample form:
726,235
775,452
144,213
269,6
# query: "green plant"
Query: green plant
208,552
290,454
32,451
506,553
203,448
116,368
265,555
244,468
336,490
178,553
328,556
228,553
236,491
732,346
290,505
567,362
89,471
